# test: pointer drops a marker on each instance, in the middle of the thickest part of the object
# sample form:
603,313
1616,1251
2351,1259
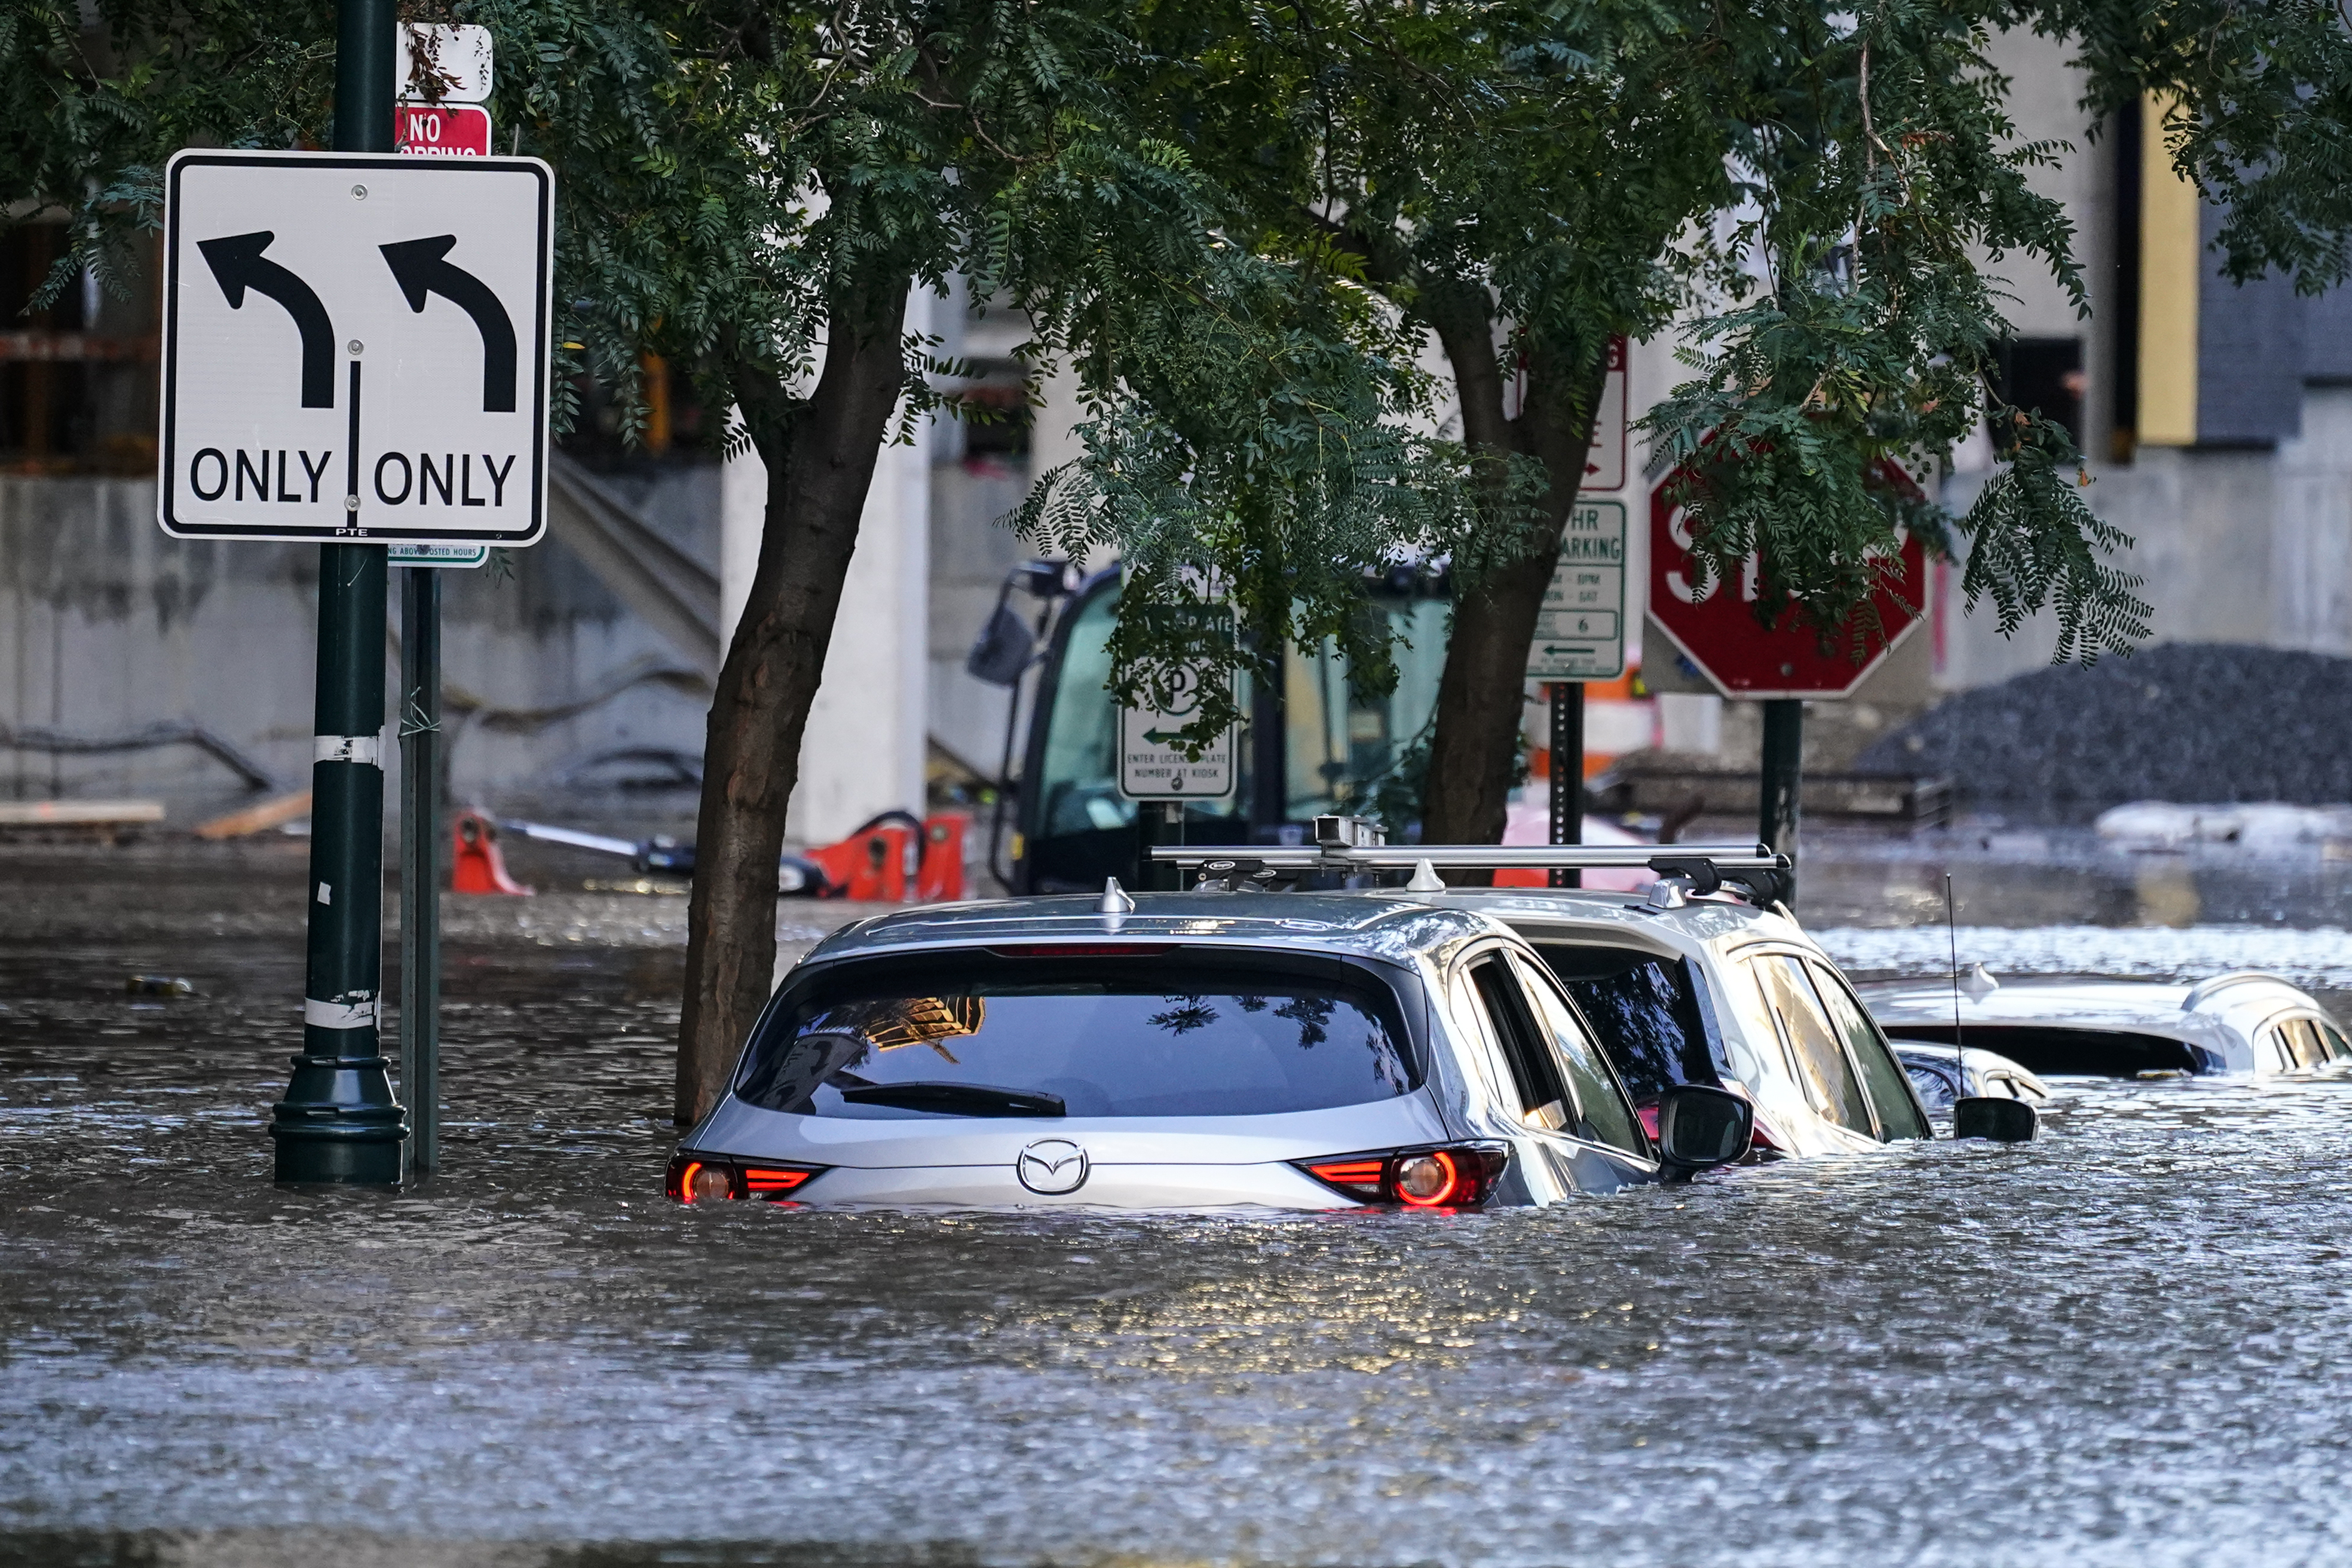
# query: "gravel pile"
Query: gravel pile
2182,721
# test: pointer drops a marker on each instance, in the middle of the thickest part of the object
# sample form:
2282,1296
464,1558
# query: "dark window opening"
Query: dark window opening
78,377
2090,1053
993,416
2046,375
673,427
1533,1071
1645,1011
1181,1034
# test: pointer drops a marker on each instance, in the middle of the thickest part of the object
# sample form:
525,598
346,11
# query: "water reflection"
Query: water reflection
2124,1345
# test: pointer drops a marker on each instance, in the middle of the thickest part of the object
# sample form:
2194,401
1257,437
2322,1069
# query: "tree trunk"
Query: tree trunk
820,461
1482,693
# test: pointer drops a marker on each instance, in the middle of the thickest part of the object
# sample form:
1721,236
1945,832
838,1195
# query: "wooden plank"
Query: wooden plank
275,811
78,813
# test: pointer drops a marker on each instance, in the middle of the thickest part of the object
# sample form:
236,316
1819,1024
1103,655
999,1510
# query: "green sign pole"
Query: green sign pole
1783,772
420,863
339,1121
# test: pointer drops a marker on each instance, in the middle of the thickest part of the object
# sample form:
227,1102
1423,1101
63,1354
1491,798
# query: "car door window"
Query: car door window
1604,1114
2310,1050
1882,1076
1644,1010
1935,1086
1820,1054
2272,1043
1543,1097
2339,1048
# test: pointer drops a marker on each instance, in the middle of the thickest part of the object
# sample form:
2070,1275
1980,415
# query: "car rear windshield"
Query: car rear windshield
1643,1009
1174,1035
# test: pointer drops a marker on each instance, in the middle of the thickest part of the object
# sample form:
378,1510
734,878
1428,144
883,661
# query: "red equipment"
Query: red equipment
474,864
894,859
940,877
1717,629
873,864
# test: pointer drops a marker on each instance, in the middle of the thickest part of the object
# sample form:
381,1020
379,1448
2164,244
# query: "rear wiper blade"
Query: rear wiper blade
957,1099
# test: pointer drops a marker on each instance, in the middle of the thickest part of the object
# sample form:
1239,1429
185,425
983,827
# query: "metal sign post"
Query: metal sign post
1783,773
420,854
1567,768
356,352
339,1121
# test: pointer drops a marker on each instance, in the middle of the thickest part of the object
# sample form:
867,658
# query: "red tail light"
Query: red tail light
706,1178
1451,1175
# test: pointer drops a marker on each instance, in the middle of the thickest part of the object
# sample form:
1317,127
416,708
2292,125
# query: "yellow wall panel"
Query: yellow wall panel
2169,270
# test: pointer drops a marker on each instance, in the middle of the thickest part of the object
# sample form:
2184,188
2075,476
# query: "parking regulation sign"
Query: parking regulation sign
1580,630
356,347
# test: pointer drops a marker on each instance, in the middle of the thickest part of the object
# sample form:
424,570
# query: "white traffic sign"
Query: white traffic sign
356,347
1150,766
1580,631
436,554
1604,463
434,62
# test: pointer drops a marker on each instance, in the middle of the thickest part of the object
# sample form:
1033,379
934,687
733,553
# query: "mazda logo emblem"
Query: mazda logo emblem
1052,1166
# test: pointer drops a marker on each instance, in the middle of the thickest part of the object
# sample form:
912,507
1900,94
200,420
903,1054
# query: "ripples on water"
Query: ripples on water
2125,1344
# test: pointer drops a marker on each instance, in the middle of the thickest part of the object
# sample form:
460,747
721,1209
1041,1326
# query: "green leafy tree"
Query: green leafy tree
1810,191
754,190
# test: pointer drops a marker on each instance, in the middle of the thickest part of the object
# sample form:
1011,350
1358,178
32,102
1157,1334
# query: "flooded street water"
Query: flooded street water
2128,1343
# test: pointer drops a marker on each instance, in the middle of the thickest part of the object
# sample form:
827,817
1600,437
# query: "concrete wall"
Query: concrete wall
863,751
107,627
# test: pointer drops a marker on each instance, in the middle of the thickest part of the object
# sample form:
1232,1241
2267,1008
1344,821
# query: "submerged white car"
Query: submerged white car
1700,980
1713,990
1943,1074
1184,1050
2245,1023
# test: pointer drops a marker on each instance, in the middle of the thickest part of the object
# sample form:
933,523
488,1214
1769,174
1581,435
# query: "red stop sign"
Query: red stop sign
1717,629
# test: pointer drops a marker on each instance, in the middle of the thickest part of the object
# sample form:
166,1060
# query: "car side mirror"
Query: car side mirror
1700,1127
2001,1120
1004,650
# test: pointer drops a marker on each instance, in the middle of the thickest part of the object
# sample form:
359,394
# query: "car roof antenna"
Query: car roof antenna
1959,1058
1114,898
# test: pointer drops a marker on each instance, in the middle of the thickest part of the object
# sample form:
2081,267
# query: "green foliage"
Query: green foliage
1242,224
737,180
1245,458
1845,327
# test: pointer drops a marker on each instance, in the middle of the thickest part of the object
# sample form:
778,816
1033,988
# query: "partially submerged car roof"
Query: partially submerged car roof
1628,918
2245,996
1385,925
2026,1016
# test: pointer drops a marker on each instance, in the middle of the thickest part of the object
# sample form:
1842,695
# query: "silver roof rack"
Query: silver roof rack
1354,844
1477,856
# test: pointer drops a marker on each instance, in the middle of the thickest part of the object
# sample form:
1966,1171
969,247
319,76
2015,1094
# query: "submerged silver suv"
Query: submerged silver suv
1307,1052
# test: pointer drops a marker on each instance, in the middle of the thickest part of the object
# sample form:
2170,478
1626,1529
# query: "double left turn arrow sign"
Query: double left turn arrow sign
398,389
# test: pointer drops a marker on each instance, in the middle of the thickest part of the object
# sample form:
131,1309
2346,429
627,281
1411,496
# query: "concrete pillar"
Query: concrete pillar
864,749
